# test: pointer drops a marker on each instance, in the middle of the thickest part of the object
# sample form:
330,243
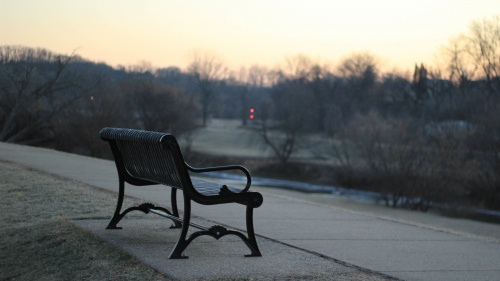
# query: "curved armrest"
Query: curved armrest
224,168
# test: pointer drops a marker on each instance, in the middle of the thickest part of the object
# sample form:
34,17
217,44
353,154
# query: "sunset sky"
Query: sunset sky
242,33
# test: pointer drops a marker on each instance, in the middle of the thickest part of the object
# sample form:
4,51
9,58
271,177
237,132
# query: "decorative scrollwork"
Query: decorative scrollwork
218,231
146,207
224,190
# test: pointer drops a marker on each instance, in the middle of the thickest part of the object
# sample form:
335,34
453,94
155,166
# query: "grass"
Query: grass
37,241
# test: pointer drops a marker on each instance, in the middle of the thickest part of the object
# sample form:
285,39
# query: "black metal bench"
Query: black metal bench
149,158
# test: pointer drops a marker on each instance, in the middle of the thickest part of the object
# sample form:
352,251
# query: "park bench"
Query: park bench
149,158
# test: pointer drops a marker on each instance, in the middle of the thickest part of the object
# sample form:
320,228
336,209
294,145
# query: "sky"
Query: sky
400,33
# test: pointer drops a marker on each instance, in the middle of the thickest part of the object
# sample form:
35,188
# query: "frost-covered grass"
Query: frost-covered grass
37,240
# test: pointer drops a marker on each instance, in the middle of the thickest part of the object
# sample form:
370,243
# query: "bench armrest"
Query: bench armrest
224,168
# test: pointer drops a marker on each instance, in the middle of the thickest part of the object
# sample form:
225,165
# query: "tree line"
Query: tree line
420,137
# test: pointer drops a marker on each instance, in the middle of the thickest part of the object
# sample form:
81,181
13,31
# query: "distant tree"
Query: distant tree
126,99
78,127
142,67
420,89
402,165
285,120
420,83
290,110
247,81
317,82
475,55
395,95
483,45
462,70
485,187
360,73
257,76
207,70
173,76
155,106
35,86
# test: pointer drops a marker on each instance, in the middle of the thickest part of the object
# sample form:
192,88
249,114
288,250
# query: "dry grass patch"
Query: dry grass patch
37,241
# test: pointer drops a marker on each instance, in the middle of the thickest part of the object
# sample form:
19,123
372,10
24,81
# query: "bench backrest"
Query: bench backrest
144,158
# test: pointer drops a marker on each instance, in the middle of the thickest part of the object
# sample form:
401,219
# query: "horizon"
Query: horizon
399,34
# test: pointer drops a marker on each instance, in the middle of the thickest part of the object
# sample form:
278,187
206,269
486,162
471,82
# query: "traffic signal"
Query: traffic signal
252,113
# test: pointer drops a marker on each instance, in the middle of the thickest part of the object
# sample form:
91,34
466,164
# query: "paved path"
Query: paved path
401,244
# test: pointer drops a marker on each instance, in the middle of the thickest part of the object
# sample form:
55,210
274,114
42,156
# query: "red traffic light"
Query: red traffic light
252,111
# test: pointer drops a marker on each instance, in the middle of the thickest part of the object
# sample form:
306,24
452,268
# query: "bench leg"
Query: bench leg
252,242
116,216
175,210
182,243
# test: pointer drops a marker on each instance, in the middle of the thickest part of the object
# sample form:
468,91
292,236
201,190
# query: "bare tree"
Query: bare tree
284,125
296,68
360,67
475,55
157,107
395,95
317,81
36,86
485,188
360,72
207,70
247,81
78,127
142,66
483,45
460,66
257,76
403,166
290,112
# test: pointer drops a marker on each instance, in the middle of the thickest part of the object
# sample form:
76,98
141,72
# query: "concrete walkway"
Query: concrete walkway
396,243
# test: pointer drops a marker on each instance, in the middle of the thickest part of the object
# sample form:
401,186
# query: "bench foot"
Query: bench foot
115,227
115,220
112,226
178,257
